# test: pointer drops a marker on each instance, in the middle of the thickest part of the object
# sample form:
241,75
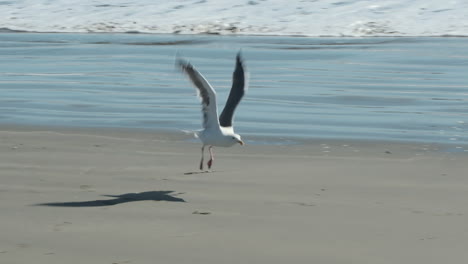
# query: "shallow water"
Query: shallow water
392,89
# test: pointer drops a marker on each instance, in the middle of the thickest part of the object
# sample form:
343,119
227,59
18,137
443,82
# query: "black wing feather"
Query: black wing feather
236,94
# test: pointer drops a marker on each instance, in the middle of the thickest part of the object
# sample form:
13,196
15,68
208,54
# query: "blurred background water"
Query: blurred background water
391,89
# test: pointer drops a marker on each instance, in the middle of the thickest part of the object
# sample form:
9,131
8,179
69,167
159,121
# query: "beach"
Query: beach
355,123
73,195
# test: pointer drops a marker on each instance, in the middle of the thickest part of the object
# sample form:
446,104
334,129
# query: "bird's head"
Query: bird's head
237,139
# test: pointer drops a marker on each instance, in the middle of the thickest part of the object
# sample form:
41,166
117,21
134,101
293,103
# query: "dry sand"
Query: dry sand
124,197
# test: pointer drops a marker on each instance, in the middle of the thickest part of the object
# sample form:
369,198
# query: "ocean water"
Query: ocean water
391,89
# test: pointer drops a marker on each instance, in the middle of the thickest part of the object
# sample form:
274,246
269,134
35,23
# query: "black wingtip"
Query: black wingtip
239,56
239,59
181,63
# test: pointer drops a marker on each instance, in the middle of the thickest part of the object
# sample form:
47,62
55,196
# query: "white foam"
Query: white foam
272,17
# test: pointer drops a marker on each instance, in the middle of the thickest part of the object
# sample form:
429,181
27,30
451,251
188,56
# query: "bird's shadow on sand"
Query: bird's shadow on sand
122,198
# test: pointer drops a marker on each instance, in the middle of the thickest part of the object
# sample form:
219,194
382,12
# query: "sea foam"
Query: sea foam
259,17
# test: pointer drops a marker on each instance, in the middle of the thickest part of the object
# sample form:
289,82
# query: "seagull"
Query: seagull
216,131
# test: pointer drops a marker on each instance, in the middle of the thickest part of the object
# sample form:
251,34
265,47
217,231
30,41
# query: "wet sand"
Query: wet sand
83,196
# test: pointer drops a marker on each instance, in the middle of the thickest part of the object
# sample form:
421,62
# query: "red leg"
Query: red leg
210,162
201,161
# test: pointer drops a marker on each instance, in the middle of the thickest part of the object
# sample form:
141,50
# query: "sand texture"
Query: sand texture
129,197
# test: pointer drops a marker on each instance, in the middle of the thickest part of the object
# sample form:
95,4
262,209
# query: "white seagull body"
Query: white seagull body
217,131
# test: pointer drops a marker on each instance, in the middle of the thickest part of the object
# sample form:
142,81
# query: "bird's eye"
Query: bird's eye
233,138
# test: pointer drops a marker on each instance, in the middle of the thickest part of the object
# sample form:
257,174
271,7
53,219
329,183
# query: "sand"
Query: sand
84,196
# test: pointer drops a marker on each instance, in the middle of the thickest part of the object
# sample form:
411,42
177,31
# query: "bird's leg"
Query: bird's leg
210,162
201,161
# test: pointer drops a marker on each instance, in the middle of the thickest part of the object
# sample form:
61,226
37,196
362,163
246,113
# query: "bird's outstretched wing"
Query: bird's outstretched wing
239,86
205,92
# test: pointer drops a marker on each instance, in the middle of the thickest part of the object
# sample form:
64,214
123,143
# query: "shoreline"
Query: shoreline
224,34
321,146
